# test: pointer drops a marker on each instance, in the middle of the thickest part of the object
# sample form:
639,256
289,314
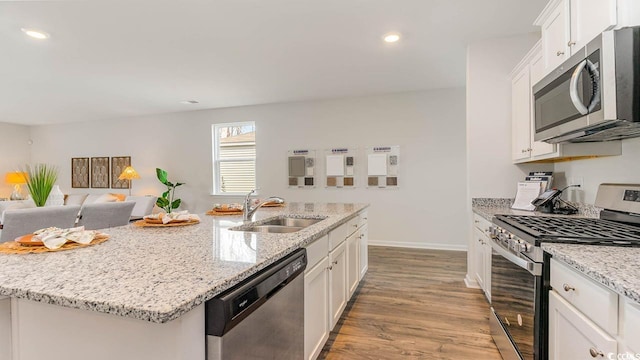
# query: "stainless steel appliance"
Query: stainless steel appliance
261,318
520,270
593,95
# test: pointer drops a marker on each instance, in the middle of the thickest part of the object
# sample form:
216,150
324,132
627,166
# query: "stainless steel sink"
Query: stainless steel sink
272,229
295,222
278,225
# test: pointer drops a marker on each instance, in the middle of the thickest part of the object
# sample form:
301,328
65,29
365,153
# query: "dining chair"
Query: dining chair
144,206
105,215
20,222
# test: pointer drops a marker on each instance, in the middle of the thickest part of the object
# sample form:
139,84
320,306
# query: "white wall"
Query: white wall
611,169
489,166
429,127
14,153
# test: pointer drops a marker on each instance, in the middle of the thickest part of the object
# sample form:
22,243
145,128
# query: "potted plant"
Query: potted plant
167,201
40,179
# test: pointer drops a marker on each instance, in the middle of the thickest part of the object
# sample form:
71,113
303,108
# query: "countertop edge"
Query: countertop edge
179,310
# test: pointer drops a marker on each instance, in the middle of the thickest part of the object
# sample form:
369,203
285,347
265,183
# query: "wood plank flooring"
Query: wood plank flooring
413,304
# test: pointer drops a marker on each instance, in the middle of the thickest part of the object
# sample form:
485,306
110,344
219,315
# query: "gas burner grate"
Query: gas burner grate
583,230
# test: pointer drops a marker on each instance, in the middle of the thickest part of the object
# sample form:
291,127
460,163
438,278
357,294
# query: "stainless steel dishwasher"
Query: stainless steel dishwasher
262,317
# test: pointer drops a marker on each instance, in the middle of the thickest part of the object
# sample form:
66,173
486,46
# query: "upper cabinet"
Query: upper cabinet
568,25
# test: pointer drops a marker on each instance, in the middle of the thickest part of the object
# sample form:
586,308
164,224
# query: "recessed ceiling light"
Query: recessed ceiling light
188,102
36,34
391,37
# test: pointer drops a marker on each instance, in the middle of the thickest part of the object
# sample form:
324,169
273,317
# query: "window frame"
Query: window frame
215,150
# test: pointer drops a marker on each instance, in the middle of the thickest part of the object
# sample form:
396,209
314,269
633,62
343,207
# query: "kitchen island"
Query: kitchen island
141,293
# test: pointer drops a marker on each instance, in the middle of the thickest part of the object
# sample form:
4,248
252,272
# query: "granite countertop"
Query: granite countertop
159,274
489,207
612,266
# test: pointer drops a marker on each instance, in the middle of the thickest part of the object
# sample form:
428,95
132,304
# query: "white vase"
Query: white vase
56,197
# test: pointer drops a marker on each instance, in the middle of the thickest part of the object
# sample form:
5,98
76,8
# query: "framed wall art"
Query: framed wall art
100,172
80,172
118,163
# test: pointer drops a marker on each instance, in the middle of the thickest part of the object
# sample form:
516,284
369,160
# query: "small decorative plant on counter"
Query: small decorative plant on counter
40,180
167,201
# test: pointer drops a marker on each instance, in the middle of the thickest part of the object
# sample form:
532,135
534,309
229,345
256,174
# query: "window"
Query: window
234,158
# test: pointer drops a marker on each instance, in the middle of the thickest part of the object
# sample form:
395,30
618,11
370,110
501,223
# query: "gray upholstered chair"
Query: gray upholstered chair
144,205
25,221
105,215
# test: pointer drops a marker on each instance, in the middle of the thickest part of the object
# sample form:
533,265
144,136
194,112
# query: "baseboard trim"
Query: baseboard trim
471,283
413,245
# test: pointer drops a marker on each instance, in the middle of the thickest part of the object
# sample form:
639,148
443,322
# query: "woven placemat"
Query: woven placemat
142,223
12,247
223,213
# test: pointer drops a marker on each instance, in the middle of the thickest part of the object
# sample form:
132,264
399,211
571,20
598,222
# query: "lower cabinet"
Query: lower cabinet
573,336
480,268
316,308
588,320
336,264
353,263
337,282
364,249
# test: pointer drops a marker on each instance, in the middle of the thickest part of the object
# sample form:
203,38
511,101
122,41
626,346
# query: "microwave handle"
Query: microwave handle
573,88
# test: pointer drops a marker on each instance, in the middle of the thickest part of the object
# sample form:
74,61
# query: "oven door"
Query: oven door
515,301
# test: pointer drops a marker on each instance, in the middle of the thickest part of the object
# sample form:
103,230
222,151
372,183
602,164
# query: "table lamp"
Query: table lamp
129,173
16,178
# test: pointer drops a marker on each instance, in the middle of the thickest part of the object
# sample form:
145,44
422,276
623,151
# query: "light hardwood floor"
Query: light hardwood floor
413,304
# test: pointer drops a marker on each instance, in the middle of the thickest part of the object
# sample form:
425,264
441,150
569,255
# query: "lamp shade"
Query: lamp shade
16,178
129,173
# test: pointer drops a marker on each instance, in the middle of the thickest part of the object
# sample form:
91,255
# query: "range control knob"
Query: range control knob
524,246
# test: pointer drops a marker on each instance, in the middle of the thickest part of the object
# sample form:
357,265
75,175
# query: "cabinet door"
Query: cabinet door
588,19
573,336
5,328
316,309
364,250
486,257
337,283
479,256
555,37
520,115
353,259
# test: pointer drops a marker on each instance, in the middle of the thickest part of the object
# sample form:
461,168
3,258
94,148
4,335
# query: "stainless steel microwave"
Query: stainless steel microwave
595,94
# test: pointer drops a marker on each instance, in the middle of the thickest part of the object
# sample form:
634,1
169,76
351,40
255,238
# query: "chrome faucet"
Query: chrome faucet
247,211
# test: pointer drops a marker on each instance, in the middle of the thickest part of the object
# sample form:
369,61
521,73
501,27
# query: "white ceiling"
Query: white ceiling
111,59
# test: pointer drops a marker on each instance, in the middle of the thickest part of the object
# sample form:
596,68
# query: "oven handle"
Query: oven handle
534,268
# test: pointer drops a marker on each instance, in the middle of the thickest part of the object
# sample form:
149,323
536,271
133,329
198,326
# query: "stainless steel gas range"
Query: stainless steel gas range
520,269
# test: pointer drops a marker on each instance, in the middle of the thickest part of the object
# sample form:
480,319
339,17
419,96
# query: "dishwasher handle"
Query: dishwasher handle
226,310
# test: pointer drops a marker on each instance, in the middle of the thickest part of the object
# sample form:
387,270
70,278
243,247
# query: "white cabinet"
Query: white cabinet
588,320
316,308
573,336
353,262
364,248
337,283
482,254
569,25
555,35
524,147
336,263
5,328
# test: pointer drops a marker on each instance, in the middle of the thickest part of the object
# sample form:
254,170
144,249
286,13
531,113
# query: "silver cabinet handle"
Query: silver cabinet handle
595,352
335,262
559,53
571,43
568,288
330,268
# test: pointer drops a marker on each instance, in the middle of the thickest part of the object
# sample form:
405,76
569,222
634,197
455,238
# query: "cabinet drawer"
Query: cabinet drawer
573,336
631,325
594,300
317,251
338,235
481,223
